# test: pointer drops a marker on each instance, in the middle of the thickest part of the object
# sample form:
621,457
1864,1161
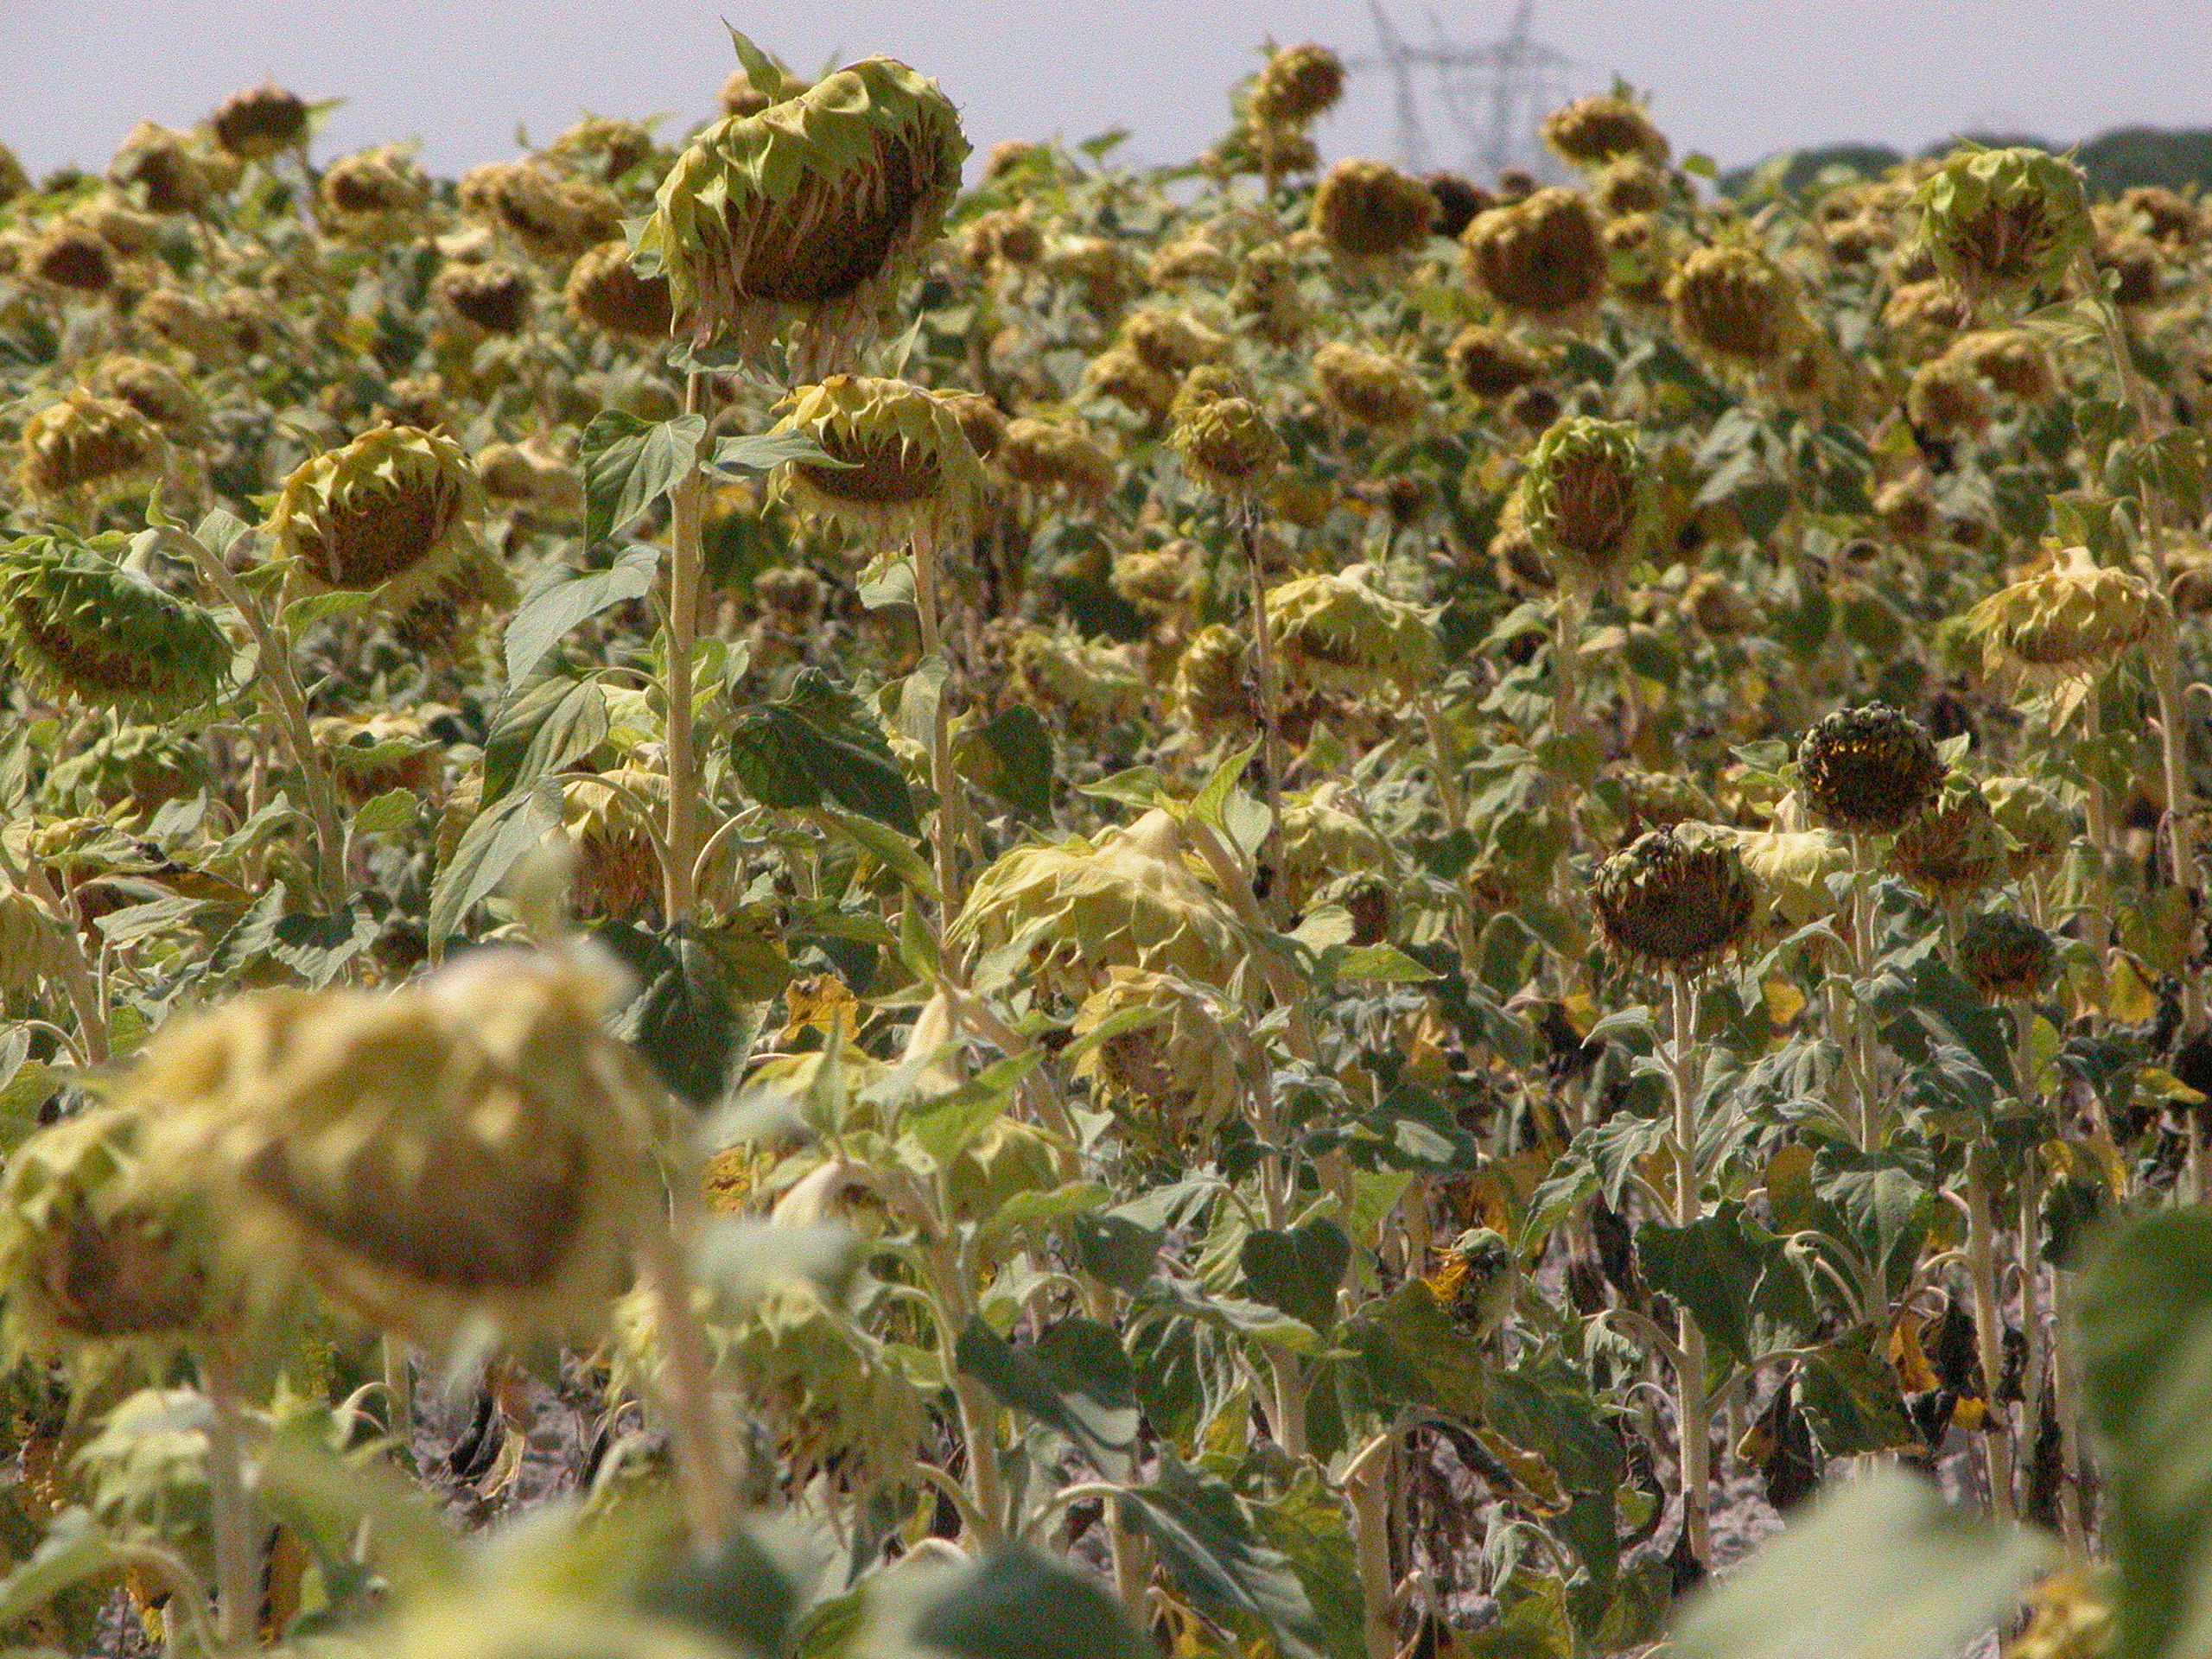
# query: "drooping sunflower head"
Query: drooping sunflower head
1054,457
491,295
2007,958
97,1252
1298,84
1587,499
374,195
1734,304
611,294
1168,1065
811,211
1674,898
1339,633
2001,223
83,448
1489,364
471,1144
1369,210
2076,617
1869,770
1594,131
1367,389
1542,257
1952,848
398,509
260,122
82,628
906,470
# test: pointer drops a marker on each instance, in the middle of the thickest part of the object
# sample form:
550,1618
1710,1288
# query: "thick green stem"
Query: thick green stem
687,1388
1263,671
1368,1484
686,573
288,705
1685,1072
1989,1330
944,840
237,1581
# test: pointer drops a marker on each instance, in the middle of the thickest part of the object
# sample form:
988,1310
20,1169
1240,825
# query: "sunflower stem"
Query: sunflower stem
701,1473
1685,1075
1989,1332
686,568
944,841
1263,670
238,1590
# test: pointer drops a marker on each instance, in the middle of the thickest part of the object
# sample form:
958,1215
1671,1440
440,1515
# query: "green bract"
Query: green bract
811,211
1586,499
82,628
2003,221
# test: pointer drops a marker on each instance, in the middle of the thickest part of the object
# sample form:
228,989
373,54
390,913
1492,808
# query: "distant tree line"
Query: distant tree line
2114,160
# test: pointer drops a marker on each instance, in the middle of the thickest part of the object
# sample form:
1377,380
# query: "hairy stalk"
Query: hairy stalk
702,1475
686,574
71,959
1367,1483
1684,1074
1989,1330
1263,670
273,650
237,1581
945,839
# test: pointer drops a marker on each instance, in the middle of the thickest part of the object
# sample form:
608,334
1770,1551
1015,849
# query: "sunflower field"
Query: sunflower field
765,897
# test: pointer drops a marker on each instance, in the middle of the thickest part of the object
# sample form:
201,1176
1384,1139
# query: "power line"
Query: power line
1492,96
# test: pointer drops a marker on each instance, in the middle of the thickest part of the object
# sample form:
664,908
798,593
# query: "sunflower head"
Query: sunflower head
1168,1064
83,448
1339,634
1369,390
2005,956
260,122
1674,898
1594,131
1737,306
1869,770
1298,84
2076,617
1952,848
907,470
398,509
1369,210
811,211
2001,223
1542,257
1587,500
82,628
473,1143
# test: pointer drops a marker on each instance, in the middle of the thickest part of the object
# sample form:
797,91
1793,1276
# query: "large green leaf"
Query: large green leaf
552,610
1075,1381
1415,1355
820,746
2146,1352
1015,1603
1010,758
631,464
489,847
1299,1269
546,730
1881,1570
1208,1541
683,1019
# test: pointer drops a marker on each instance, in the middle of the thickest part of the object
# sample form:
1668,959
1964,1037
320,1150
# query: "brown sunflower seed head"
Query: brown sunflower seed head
1226,443
811,212
375,196
1676,898
1631,184
606,290
1171,1077
1298,84
397,509
1489,364
84,447
2012,360
73,257
1212,689
1369,389
1369,210
2007,958
1458,199
260,122
909,468
1587,498
1594,131
2005,222
1119,373
98,1252
1544,257
1055,457
471,1145
1734,304
2076,617
493,294
1945,401
1868,770
1952,848
170,172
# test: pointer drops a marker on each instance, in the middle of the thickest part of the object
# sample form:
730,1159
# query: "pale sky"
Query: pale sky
1735,80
